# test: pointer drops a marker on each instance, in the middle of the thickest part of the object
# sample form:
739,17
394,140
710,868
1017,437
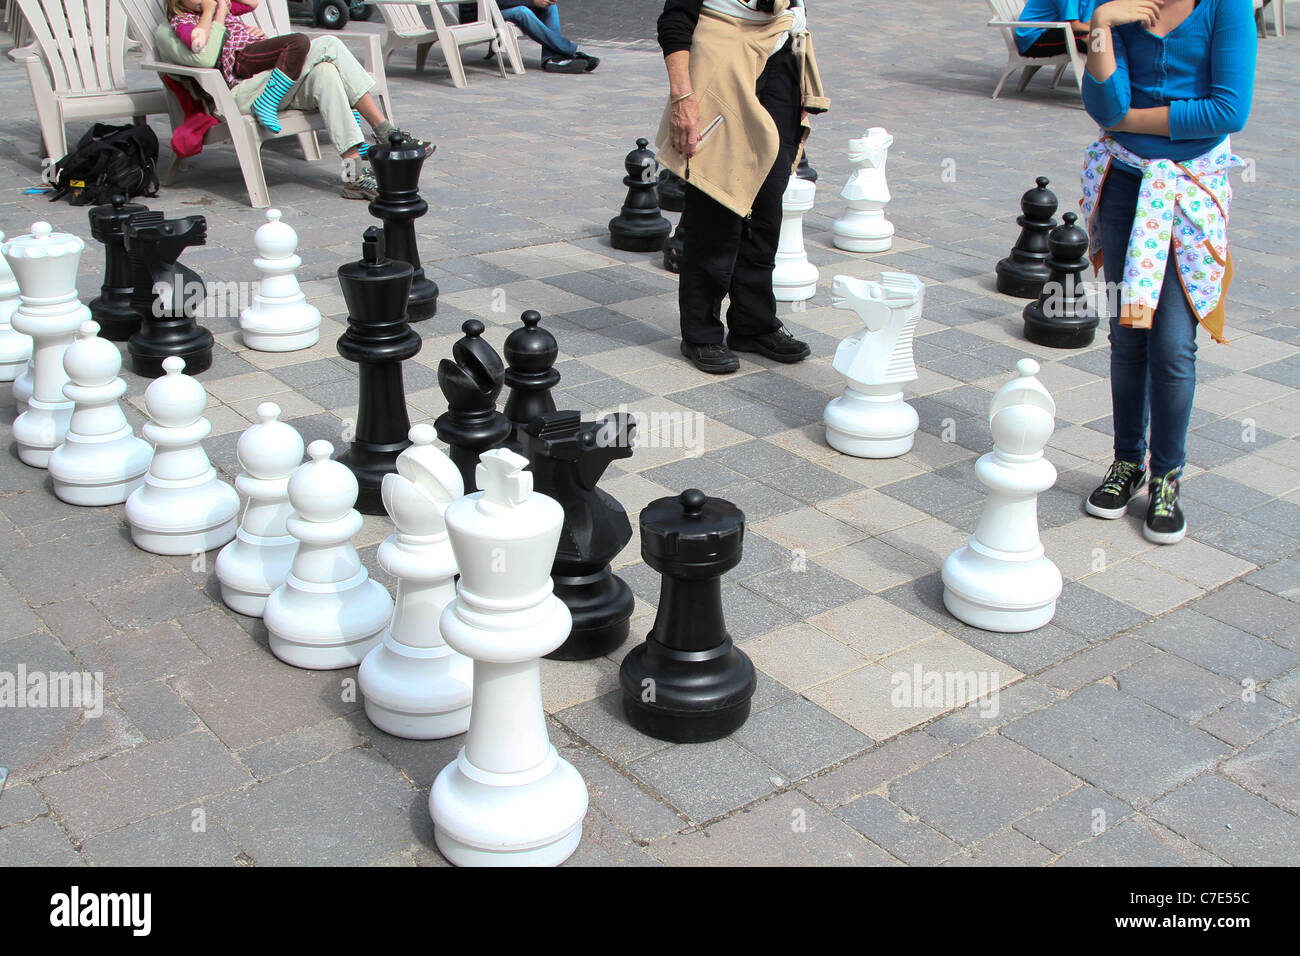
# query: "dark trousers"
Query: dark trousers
286,53
1052,43
726,254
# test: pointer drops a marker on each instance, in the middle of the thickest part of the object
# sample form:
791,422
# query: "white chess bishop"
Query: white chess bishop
279,319
794,278
871,420
15,348
258,560
1002,580
414,685
863,227
45,263
100,462
508,799
328,613
182,507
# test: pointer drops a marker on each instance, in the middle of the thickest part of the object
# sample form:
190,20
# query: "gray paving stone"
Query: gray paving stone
976,719
141,654
624,801
1246,540
1093,614
754,458
303,746
19,803
1230,822
1286,689
1271,767
1249,609
38,843
156,711
797,738
150,600
600,722
890,827
1243,722
1280,516
1281,578
184,837
1138,841
64,568
885,762
1217,646
757,500
16,617
810,483
1007,847
1029,651
1079,815
804,593
605,845
1177,687
931,493
750,614
706,780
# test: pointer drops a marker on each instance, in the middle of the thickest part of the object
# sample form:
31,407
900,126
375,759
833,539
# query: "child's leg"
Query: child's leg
285,56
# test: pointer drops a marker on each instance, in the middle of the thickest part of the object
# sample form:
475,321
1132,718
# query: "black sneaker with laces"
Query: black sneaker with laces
428,145
711,358
1165,523
564,64
778,345
1111,498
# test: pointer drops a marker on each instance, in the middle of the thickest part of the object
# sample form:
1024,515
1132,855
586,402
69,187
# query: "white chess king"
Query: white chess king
794,278
871,420
508,799
15,348
414,685
279,319
1002,580
863,227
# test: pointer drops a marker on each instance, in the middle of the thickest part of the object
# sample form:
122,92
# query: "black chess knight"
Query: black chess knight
168,323
639,227
397,174
471,380
1024,271
112,307
530,356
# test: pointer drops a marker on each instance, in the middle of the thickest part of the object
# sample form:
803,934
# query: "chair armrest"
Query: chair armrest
1045,24
209,79
24,54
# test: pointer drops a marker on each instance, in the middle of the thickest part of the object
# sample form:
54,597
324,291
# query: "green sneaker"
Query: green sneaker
1111,498
1165,523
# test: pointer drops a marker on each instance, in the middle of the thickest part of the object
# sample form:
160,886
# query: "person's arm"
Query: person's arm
676,28
239,7
1232,79
1106,90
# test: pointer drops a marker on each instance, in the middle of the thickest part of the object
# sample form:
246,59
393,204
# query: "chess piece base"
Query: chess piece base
417,693
1022,279
423,302
277,340
794,284
601,605
41,429
649,237
186,520
686,696
92,474
1063,333
319,629
870,426
858,233
117,320
250,568
147,358
1000,595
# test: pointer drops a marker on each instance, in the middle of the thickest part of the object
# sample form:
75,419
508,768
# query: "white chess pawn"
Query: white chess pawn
100,461
45,264
182,507
414,685
279,319
871,420
508,799
15,348
258,560
328,613
863,227
794,278
1002,580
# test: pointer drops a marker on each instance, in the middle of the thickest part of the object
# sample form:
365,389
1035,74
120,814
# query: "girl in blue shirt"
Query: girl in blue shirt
1047,43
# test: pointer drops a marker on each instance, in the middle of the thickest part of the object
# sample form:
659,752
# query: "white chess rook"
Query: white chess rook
15,348
863,227
871,420
1002,580
328,613
45,265
258,560
414,685
279,319
182,507
100,461
794,278
508,799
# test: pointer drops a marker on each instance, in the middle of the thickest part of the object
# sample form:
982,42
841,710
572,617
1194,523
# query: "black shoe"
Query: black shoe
592,61
1165,523
778,345
714,359
564,64
1112,496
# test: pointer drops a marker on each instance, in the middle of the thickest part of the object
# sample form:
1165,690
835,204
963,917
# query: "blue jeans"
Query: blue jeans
1152,371
544,28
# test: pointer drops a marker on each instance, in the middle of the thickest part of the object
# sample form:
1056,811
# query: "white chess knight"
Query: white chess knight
15,348
100,462
328,613
258,560
508,799
279,319
182,507
1002,580
863,227
794,278
414,685
45,263
871,420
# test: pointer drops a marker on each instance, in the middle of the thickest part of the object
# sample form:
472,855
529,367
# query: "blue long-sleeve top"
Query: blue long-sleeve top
1204,71
1050,11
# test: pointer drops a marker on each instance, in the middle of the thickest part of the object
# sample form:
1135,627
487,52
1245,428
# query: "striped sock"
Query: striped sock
365,147
268,103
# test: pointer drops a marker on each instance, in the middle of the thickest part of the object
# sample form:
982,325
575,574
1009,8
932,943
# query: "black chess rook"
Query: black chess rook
1062,317
118,321
166,294
639,227
530,354
1024,271
397,174
471,380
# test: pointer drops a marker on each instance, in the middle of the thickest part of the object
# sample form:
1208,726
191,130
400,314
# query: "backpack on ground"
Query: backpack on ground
108,161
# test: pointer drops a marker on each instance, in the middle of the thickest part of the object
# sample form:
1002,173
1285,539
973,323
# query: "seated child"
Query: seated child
1049,43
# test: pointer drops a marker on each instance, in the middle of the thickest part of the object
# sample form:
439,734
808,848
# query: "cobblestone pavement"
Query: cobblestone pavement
1153,721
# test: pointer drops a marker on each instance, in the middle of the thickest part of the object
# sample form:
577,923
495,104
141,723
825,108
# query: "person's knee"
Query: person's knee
319,80
298,43
326,47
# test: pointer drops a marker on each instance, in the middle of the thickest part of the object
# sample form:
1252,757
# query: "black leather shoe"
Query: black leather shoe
714,359
564,64
778,345
592,61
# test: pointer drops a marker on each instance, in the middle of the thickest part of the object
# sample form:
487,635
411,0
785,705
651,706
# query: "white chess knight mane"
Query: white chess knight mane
869,153
889,309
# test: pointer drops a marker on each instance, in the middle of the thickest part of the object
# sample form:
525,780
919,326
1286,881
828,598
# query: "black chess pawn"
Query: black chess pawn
639,227
804,170
397,174
530,356
568,457
471,380
378,338
671,191
1062,317
112,307
168,324
687,682
675,247
1024,271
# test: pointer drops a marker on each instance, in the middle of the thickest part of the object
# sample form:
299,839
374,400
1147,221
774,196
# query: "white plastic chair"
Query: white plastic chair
408,27
1005,13
1279,16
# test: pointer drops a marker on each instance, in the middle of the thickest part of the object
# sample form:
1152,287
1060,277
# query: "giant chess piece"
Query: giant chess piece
671,191
687,682
15,348
471,380
863,227
182,507
804,170
639,227
170,327
1062,317
279,319
112,309
328,613
530,354
794,278
1002,580
397,174
258,560
568,457
1024,271
675,246
379,339
414,685
871,420
508,799
44,263
100,461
